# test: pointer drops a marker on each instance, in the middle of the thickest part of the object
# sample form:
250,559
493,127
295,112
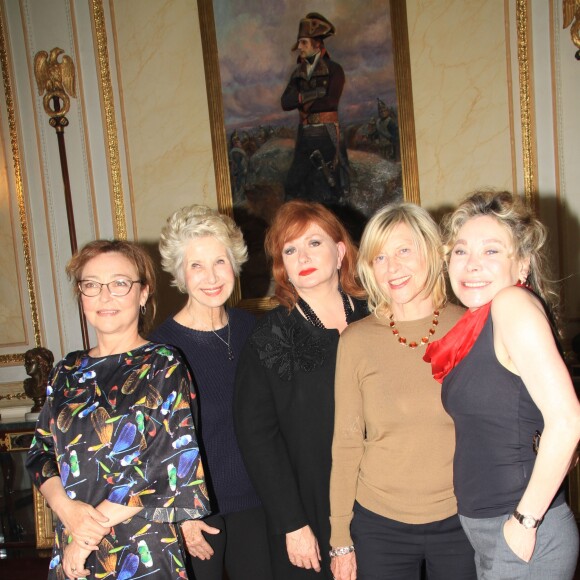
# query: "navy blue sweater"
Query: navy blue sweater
213,374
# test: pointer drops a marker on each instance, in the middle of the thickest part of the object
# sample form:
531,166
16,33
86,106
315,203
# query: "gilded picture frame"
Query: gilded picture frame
44,520
215,92
28,289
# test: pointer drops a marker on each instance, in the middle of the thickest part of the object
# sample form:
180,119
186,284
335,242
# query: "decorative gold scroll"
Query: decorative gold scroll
527,104
111,139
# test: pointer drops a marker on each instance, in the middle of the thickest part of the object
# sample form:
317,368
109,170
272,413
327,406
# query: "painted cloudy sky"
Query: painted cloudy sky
254,40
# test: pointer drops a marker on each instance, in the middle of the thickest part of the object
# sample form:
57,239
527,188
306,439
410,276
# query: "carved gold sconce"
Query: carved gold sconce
571,10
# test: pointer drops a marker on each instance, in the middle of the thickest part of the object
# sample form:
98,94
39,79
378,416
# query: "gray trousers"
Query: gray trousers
555,554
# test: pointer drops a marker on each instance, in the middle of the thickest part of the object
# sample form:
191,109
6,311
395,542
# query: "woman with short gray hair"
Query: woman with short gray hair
203,251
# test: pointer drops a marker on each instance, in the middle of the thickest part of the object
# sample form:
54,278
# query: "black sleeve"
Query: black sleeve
263,447
333,93
291,97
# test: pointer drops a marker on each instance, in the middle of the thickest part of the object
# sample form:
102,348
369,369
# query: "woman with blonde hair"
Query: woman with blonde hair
284,400
505,385
204,251
391,489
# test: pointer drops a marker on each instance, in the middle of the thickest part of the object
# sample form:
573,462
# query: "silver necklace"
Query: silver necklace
230,351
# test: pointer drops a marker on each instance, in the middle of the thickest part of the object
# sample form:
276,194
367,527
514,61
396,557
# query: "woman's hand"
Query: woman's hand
84,523
73,561
196,544
344,567
521,541
303,549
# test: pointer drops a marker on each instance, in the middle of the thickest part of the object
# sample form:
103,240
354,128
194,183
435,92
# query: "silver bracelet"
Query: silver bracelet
341,551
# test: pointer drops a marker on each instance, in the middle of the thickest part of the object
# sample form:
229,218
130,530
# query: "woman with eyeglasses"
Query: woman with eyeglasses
115,451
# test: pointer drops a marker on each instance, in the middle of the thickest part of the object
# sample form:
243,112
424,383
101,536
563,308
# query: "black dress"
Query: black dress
120,428
284,419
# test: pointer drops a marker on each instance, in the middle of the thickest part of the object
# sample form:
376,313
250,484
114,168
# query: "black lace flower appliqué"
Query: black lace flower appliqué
287,347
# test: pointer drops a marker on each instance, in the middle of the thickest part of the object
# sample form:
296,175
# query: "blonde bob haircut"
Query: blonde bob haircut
427,240
190,223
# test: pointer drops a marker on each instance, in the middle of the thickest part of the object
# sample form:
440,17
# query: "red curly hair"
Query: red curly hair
290,222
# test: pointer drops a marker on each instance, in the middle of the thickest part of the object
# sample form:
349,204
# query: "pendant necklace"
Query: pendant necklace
310,315
230,351
414,344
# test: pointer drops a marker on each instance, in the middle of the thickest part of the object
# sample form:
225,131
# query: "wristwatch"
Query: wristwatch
529,522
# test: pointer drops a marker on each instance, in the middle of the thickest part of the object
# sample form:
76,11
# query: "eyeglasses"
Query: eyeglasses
120,287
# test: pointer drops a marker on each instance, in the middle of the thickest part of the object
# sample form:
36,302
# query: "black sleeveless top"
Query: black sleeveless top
495,421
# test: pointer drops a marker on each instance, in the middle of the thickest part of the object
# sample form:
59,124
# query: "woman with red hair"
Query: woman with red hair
284,400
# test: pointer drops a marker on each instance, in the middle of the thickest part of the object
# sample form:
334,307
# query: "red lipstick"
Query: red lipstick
306,272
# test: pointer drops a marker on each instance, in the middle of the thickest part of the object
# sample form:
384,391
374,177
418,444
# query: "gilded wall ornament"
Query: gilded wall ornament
55,80
571,10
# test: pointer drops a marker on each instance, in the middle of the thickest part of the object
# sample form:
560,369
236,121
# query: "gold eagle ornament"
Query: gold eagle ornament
55,79
571,9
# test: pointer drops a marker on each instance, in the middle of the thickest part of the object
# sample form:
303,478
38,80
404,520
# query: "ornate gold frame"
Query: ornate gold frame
217,124
43,516
18,359
529,150
111,139
44,521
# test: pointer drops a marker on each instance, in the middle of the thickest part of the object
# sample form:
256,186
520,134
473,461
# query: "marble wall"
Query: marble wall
464,69
12,322
461,98
165,114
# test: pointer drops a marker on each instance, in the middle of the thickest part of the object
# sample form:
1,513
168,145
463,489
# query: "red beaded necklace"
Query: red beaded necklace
413,344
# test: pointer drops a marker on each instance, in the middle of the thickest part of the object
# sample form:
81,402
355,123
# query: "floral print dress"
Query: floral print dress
120,428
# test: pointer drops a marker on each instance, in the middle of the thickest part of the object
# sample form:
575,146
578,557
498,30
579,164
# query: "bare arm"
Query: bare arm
117,513
524,345
86,524
76,553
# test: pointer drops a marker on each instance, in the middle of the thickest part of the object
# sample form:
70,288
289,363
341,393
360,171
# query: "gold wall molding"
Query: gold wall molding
112,142
402,58
529,152
18,359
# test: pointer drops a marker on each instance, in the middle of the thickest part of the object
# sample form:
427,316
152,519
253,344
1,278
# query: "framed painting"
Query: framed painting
259,135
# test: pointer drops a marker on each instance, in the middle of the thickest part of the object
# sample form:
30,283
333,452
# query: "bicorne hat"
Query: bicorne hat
314,25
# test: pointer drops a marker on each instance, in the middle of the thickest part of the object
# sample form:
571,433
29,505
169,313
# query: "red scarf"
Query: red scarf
447,352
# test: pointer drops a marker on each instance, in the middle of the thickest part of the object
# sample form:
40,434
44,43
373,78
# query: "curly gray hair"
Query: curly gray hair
197,221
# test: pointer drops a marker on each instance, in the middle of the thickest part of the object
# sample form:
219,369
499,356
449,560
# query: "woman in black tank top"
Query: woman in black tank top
504,384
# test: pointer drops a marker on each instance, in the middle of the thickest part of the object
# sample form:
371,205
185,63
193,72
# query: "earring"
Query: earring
143,309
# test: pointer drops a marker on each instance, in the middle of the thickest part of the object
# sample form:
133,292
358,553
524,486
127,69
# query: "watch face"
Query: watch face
528,522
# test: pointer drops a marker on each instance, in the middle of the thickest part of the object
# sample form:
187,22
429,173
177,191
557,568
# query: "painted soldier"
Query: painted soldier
319,170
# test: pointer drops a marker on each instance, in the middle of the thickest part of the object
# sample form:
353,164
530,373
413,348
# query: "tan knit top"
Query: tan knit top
393,442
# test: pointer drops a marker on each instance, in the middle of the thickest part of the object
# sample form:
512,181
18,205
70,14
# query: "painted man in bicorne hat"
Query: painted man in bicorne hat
319,171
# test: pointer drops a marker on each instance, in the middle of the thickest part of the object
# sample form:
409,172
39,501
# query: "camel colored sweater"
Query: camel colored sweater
393,442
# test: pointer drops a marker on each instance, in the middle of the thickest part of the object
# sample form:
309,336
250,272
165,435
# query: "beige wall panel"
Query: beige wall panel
460,95
165,111
12,323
